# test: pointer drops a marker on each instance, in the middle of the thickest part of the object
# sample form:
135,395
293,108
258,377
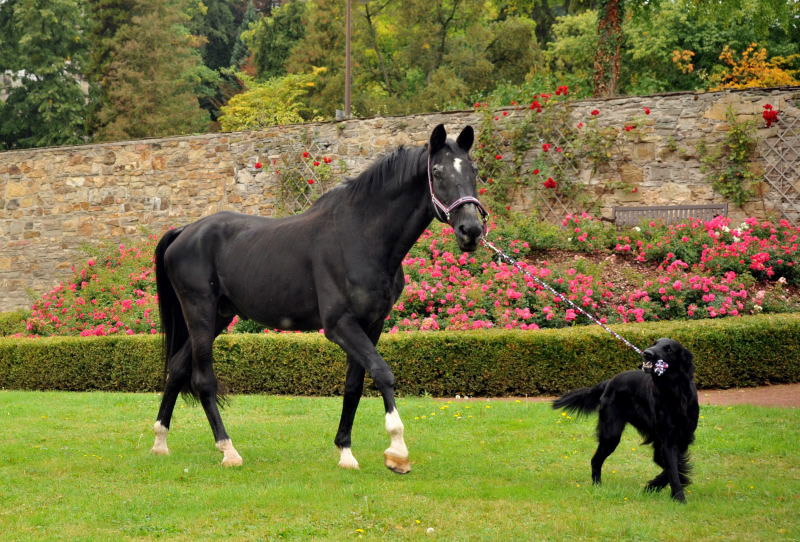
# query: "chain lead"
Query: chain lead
511,261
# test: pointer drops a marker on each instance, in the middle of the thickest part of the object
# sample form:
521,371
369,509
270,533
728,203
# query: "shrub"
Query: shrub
13,322
731,352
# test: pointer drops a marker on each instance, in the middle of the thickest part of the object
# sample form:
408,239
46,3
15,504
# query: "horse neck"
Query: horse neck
405,213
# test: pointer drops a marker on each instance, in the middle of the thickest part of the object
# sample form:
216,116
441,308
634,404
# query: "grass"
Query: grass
75,466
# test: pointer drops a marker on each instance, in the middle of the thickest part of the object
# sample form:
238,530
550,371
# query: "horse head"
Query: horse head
452,177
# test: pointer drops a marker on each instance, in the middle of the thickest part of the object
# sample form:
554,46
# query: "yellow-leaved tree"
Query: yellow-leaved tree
268,103
754,69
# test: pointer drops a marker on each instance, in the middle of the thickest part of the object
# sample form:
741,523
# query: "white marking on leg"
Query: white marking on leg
230,457
457,164
160,444
396,455
346,459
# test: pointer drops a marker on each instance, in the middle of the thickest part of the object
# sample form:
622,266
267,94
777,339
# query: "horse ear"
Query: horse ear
466,138
438,138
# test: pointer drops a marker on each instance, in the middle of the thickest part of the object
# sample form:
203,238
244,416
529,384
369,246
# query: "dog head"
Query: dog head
667,357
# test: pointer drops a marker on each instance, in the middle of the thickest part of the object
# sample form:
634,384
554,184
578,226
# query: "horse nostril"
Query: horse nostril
469,231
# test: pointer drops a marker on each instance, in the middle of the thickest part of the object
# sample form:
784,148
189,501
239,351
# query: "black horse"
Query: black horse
337,266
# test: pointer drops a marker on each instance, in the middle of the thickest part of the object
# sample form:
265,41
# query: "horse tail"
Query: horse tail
172,323
582,401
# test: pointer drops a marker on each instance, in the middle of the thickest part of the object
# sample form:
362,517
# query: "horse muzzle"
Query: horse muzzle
469,225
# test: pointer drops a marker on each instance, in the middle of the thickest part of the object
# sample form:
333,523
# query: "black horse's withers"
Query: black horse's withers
338,267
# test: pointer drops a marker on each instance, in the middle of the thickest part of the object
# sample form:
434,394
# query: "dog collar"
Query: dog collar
660,367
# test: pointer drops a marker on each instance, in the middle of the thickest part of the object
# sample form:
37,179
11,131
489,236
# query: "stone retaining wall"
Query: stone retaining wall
54,200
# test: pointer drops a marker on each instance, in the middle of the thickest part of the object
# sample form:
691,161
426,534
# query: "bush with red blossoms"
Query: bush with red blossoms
696,270
112,292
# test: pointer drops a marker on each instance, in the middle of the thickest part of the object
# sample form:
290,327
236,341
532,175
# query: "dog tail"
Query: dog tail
582,401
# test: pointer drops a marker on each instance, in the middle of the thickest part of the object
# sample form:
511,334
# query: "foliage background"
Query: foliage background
87,70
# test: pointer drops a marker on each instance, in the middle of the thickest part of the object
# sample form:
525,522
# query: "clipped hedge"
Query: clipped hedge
12,322
729,352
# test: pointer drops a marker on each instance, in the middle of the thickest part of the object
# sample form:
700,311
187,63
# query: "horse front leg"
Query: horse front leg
349,335
353,388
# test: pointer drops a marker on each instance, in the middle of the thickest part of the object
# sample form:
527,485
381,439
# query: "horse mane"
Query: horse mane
384,174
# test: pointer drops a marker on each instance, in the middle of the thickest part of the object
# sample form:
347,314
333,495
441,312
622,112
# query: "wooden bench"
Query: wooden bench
667,214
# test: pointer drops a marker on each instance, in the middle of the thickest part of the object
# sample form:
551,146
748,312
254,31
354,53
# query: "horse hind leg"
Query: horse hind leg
178,373
204,324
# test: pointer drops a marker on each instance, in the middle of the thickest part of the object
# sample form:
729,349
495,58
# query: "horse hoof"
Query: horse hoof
347,460
396,464
159,450
233,461
231,457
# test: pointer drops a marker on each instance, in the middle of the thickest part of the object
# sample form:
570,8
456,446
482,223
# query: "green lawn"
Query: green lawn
75,466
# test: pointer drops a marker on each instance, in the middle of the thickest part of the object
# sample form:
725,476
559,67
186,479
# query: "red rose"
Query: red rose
482,191
595,112
311,181
490,181
628,128
316,163
505,113
580,125
646,110
498,156
258,165
549,183
546,147
535,171
305,154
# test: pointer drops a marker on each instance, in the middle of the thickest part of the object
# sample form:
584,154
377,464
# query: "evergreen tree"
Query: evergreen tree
107,17
272,38
154,75
240,51
42,52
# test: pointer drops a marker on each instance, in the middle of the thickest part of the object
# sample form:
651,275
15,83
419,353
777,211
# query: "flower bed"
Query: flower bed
696,270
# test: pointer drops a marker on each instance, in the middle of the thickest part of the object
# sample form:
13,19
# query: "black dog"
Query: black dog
660,401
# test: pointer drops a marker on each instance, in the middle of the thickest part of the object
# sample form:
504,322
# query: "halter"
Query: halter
440,207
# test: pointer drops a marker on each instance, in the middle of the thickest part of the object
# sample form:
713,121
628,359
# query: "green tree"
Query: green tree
574,44
263,104
154,76
271,38
43,53
240,50
217,25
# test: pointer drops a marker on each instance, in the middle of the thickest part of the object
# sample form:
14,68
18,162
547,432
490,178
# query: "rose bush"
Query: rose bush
698,270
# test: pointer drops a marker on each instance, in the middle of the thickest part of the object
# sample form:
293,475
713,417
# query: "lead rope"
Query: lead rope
508,259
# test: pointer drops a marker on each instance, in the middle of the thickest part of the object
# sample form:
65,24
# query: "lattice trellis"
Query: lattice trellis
781,153
553,204
296,193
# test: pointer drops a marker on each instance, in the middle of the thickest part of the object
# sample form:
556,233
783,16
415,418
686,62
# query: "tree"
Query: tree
216,23
154,75
107,17
240,51
271,38
268,103
43,54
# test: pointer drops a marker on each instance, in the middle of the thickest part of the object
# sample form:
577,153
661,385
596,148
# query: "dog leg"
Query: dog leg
658,483
609,431
673,475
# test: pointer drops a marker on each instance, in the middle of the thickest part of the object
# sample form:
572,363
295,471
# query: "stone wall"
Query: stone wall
54,200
